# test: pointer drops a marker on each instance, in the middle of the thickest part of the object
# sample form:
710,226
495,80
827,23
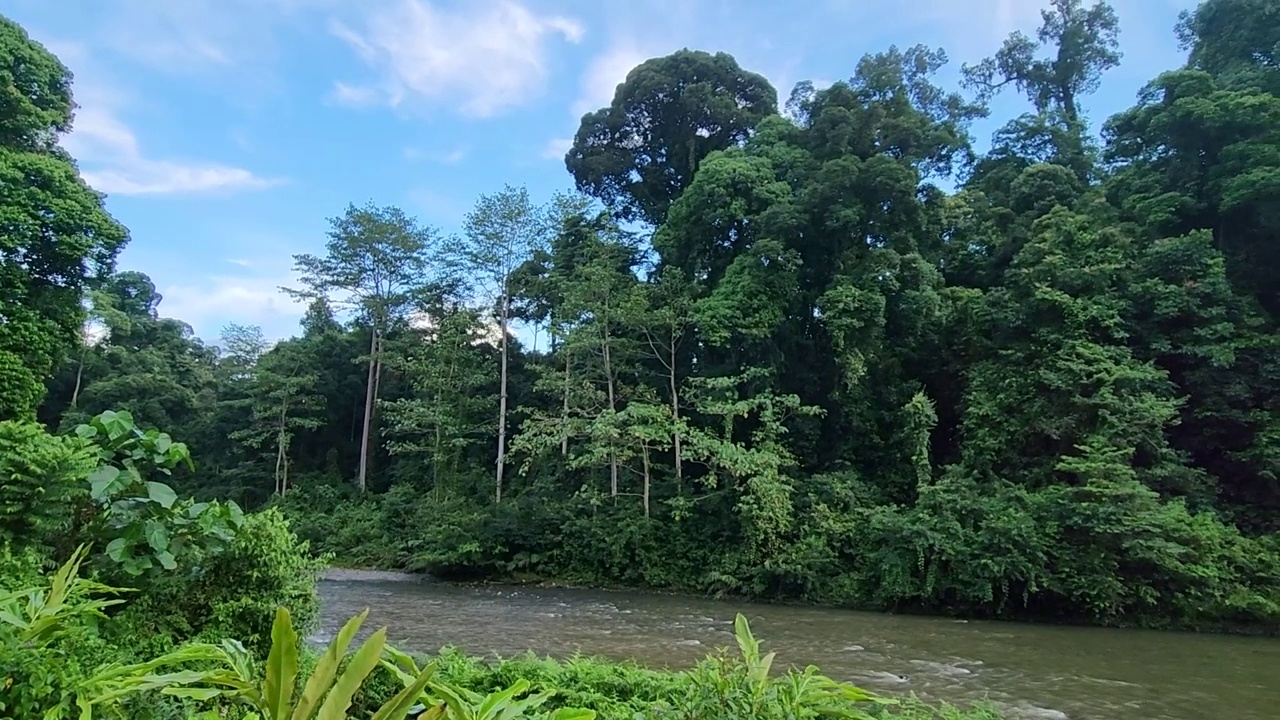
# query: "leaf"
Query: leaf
322,677
282,666
137,565
157,536
399,706
358,668
167,560
162,494
235,514
104,482
116,549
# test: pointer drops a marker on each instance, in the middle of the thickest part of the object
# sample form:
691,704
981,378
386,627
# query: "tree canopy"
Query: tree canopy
846,353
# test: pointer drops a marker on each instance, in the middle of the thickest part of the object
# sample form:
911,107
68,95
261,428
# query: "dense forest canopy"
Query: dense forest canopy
826,350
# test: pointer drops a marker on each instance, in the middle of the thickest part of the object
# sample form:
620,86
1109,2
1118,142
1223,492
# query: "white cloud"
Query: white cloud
556,148
209,303
112,160
486,56
354,95
606,72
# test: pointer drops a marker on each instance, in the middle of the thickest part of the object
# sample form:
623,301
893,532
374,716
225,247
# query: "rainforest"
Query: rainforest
827,348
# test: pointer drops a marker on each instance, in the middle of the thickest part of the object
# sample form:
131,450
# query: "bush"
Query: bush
233,593
39,475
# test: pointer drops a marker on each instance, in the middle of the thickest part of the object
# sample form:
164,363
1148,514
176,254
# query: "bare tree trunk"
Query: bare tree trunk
280,450
75,394
644,447
675,419
368,410
564,413
502,402
608,374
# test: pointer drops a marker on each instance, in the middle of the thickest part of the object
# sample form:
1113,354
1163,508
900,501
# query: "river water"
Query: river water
1031,671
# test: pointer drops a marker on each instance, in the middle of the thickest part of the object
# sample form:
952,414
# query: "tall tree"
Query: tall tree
55,235
448,363
377,259
284,398
501,233
641,152
1081,44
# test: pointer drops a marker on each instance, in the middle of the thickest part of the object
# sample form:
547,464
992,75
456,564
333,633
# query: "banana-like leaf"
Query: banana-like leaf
399,706
492,707
458,707
282,666
759,673
435,713
747,643
521,708
358,668
327,669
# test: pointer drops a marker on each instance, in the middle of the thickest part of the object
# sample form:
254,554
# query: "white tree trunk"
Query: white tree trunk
502,403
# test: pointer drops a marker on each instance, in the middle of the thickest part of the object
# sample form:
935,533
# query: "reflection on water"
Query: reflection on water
1033,671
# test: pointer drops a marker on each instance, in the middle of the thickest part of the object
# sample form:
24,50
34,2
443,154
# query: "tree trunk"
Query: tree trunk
75,393
608,375
675,419
644,447
280,450
502,402
564,413
368,410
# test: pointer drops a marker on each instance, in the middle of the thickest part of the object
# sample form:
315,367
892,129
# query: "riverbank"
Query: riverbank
697,551
533,580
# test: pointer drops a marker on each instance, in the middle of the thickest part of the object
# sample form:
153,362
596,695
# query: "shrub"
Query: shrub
39,475
233,593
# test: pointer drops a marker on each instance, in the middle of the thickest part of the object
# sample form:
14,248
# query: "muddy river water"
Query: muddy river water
1032,671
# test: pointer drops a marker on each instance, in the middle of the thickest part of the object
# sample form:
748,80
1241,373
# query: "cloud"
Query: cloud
556,148
605,73
485,57
209,303
112,160
183,36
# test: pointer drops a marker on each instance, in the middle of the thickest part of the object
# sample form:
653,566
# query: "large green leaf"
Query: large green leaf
399,706
282,667
322,677
358,668
106,481
162,494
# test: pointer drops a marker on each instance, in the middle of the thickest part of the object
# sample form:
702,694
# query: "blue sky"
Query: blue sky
225,132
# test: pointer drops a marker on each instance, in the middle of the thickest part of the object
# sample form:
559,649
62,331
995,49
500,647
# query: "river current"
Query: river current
1030,671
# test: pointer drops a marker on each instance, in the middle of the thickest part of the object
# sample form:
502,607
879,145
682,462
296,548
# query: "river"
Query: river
1031,671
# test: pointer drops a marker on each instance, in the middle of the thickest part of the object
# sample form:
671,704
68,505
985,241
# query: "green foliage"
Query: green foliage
235,592
40,478
233,676
641,152
57,234
458,703
144,524
41,630
1048,389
